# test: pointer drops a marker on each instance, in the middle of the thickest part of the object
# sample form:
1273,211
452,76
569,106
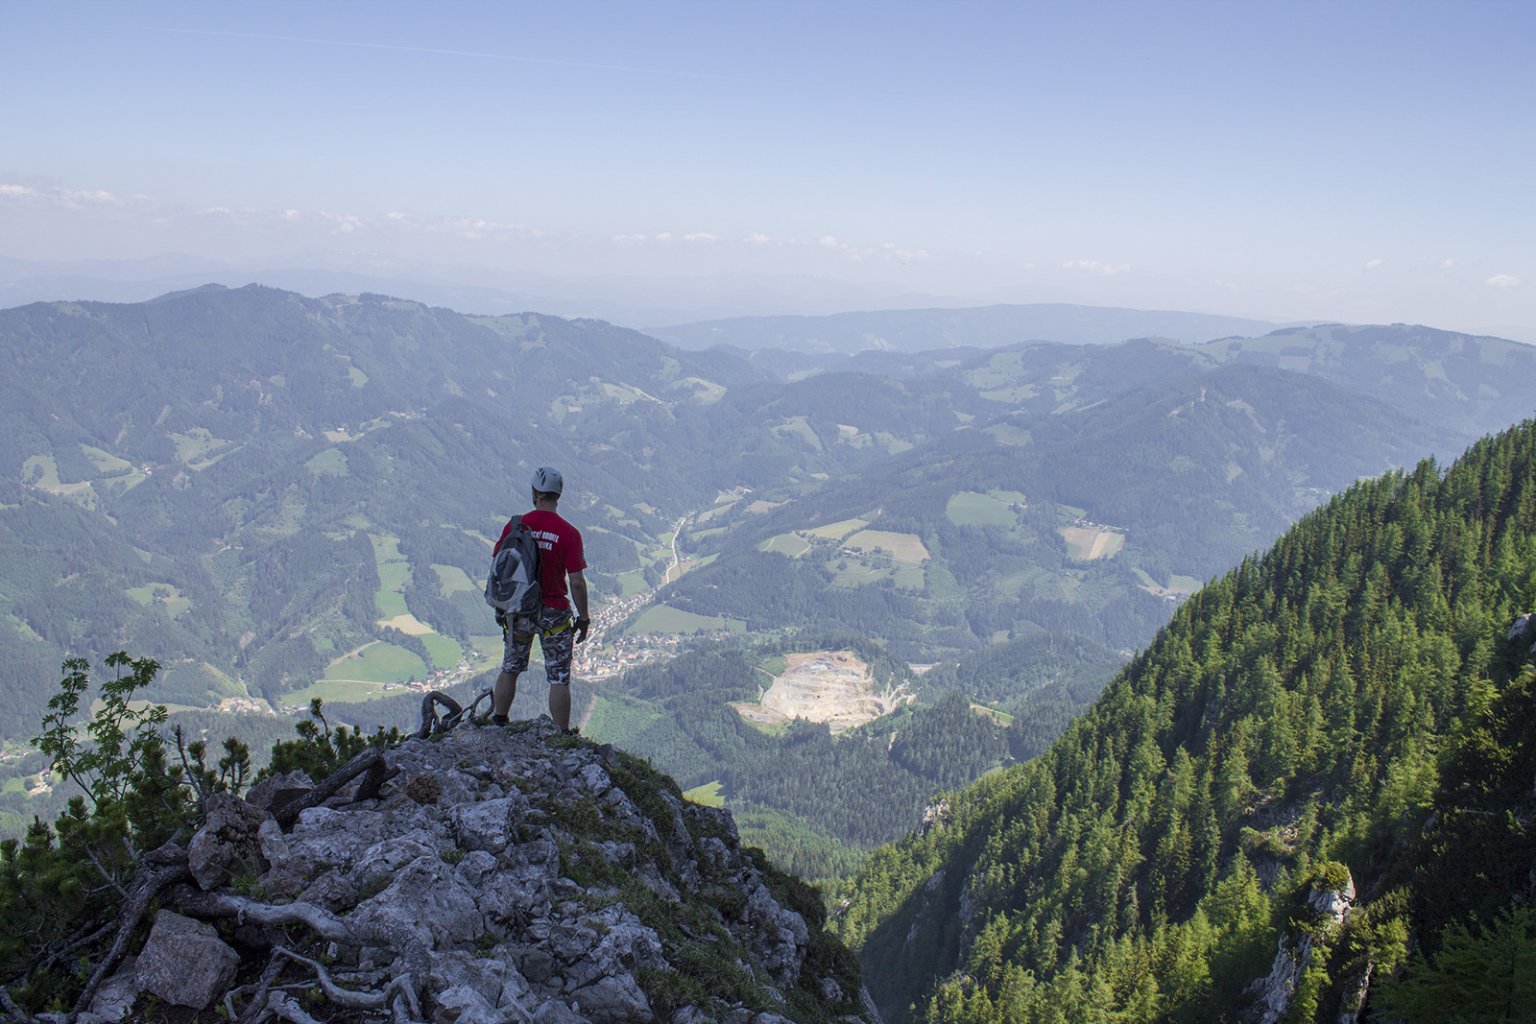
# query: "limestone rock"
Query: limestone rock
117,994
229,842
504,876
184,962
271,793
1274,993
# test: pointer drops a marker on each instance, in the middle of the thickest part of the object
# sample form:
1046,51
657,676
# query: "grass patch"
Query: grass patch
486,651
1090,543
632,583
708,795
161,593
906,548
41,471
849,570
198,449
394,573
328,463
774,666
839,530
377,662
662,619
453,580
106,463
971,509
799,427
1002,718
791,544
445,651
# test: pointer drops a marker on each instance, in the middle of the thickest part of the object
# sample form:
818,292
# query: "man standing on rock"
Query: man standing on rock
560,558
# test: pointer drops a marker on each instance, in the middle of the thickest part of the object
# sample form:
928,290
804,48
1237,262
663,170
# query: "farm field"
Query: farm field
164,593
377,662
790,544
662,619
394,573
838,530
1090,543
968,508
906,548
453,580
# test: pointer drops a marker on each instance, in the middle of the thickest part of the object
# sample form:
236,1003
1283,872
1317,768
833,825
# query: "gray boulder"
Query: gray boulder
185,963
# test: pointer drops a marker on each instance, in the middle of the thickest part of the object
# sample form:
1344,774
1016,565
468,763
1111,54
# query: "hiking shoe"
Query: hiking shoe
499,721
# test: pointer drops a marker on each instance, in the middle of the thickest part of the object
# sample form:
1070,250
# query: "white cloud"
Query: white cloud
1447,264
700,236
1096,267
830,242
70,198
665,236
342,223
757,239
1503,281
1373,264
629,239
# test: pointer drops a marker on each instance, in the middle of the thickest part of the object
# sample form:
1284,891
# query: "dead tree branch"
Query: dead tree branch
289,812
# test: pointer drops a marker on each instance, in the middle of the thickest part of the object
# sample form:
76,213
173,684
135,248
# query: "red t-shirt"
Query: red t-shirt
559,552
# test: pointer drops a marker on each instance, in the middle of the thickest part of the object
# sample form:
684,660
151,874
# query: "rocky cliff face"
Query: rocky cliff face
500,875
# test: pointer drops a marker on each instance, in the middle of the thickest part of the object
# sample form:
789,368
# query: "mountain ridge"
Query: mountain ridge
914,330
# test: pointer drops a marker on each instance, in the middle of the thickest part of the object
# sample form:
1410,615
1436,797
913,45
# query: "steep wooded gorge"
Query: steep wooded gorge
1344,720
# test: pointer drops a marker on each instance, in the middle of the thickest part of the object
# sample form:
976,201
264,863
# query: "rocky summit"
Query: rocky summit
496,875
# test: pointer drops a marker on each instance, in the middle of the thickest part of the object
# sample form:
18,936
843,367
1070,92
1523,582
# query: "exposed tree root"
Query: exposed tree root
219,904
12,1011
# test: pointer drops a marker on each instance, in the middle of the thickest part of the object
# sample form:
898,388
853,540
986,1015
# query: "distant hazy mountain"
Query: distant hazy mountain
629,301
917,330
1464,382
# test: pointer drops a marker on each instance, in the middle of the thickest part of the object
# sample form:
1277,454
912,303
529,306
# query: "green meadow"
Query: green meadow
662,619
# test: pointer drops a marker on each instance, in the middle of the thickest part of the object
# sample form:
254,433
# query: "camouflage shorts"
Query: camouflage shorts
556,640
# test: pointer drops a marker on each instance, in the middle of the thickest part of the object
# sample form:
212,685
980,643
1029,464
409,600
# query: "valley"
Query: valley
284,498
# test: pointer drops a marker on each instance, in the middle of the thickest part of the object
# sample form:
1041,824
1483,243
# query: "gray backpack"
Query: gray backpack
513,583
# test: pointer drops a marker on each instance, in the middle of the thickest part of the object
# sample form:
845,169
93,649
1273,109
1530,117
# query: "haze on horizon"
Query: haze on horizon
1364,162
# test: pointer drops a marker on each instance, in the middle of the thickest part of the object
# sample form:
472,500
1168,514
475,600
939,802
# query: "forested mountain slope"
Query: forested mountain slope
1348,714
230,479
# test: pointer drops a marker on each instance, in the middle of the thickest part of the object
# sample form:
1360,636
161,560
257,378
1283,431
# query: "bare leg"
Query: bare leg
560,705
504,694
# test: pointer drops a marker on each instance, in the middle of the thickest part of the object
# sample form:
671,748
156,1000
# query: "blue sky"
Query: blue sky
1354,161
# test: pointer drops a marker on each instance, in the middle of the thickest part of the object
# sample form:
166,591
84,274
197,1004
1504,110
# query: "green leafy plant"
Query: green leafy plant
118,738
